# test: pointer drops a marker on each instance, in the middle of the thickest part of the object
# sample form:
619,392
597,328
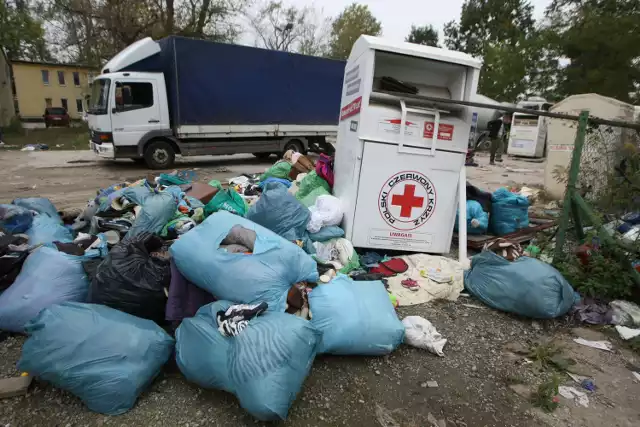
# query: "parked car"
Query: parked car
55,116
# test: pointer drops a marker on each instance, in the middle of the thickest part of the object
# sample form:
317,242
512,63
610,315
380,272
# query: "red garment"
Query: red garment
390,268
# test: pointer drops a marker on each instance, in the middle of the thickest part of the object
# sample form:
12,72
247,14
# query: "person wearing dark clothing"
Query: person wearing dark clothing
494,127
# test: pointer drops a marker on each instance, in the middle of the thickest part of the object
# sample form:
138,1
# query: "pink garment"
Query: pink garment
324,168
295,157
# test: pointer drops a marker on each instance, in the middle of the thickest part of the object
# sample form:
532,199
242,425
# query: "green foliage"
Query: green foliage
21,35
542,354
600,38
546,396
426,35
353,22
503,33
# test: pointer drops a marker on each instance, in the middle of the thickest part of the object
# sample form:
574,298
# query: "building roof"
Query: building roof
53,64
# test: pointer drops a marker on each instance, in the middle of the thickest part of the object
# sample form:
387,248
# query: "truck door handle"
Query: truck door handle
154,121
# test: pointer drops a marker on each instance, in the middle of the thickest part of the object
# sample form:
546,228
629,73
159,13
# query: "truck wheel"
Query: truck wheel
295,145
159,155
262,156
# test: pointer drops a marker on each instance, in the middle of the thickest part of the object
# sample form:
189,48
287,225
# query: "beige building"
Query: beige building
7,109
41,84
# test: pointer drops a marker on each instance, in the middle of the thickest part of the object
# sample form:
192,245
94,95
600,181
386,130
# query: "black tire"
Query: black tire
262,156
159,155
295,145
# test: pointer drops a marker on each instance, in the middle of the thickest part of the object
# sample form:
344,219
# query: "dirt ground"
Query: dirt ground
482,380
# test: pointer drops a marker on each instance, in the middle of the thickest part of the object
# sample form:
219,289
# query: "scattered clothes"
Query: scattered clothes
236,318
507,249
625,313
420,333
424,269
327,211
509,212
355,318
266,275
391,267
600,345
338,252
103,356
572,393
131,280
324,168
367,277
327,233
410,284
185,298
627,333
526,286
593,312
370,259
264,367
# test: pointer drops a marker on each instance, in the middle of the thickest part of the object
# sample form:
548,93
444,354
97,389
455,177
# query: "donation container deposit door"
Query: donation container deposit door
399,157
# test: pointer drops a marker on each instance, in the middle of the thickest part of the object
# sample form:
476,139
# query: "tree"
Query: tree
600,39
21,34
290,29
502,32
426,35
353,22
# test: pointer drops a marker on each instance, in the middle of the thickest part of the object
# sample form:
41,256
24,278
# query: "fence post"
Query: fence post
583,121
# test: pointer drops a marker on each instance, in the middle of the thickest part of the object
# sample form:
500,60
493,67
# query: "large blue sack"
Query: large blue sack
15,219
264,365
265,275
355,317
526,286
101,355
279,211
474,211
509,212
45,229
47,277
39,204
157,210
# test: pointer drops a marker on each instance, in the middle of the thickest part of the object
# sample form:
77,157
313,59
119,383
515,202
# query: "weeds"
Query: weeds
546,396
543,354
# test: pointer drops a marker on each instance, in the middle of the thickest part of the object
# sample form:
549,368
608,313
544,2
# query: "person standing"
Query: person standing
494,127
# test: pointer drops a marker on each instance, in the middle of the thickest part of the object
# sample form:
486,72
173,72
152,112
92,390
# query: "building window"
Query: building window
65,105
133,96
76,78
47,102
61,78
45,76
79,105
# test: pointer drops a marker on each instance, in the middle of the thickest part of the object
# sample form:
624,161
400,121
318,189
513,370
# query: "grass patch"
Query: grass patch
543,354
71,138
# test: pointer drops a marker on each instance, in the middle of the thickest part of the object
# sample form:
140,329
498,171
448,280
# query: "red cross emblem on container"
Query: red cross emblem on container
407,200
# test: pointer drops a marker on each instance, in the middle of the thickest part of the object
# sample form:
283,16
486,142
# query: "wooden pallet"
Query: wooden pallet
477,241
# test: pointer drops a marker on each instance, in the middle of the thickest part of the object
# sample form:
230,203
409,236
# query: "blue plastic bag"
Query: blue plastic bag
526,286
157,210
15,219
509,212
47,277
45,229
264,365
265,275
474,211
355,318
39,204
103,356
327,233
280,212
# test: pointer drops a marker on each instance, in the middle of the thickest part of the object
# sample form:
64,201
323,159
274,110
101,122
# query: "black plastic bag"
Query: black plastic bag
131,280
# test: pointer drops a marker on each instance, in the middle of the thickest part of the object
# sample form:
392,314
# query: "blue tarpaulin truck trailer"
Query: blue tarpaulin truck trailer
156,99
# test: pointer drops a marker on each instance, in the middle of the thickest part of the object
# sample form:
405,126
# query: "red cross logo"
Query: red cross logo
407,201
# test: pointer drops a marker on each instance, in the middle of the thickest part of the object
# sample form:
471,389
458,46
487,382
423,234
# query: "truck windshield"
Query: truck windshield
99,96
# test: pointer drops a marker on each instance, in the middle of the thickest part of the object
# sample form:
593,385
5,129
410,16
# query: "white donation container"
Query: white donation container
400,158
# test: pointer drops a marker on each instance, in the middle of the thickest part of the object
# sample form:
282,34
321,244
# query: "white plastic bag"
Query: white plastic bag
420,333
326,211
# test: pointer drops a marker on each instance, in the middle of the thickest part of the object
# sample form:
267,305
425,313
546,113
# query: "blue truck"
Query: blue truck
179,96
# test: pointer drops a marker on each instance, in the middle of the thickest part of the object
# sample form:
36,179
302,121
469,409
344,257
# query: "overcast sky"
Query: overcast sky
397,16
